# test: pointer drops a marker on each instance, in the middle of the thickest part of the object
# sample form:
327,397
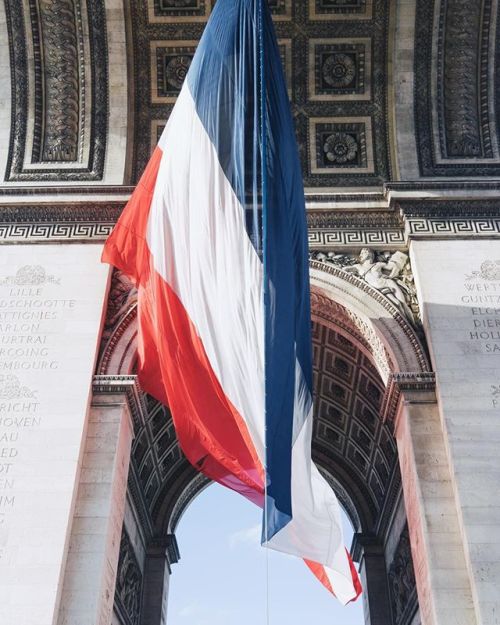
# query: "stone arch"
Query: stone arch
361,343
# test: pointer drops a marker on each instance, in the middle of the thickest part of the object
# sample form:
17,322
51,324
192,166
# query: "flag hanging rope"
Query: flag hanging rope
215,238
263,142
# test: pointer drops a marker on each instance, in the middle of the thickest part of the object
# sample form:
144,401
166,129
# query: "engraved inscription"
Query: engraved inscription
482,295
29,313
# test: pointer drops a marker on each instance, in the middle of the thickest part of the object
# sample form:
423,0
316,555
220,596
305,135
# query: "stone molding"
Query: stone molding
349,229
30,223
398,383
452,228
193,488
127,385
382,230
457,219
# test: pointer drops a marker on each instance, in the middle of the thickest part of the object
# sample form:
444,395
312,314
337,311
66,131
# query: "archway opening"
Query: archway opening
360,341
224,576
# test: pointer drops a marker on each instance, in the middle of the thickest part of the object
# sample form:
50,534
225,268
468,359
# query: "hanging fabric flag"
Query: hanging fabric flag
215,238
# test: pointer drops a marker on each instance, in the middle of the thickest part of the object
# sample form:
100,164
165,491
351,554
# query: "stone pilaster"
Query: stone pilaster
442,578
91,567
373,573
461,312
160,556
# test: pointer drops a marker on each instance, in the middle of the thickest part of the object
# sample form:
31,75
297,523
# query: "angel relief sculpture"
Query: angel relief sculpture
387,273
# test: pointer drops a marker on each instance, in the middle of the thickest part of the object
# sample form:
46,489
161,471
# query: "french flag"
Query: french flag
215,238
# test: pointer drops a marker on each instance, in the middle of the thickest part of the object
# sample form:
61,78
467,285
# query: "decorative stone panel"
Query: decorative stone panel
169,65
321,43
170,11
457,79
340,9
281,9
339,69
285,49
341,145
129,582
58,53
402,583
157,127
348,395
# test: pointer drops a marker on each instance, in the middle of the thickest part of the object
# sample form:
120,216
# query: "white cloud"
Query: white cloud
189,610
251,535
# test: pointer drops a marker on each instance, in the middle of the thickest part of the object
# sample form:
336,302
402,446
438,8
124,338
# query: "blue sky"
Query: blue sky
221,577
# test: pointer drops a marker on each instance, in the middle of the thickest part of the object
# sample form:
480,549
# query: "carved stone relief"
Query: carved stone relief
389,273
129,580
122,297
458,84
402,582
61,87
58,53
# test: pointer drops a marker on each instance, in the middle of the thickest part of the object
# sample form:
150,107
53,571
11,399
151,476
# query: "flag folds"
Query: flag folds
215,239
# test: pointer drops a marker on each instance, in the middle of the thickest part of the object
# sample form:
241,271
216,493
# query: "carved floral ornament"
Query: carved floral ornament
339,70
12,388
30,275
177,69
340,147
489,271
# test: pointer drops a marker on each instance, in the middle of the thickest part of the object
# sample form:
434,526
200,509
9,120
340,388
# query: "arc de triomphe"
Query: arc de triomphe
397,111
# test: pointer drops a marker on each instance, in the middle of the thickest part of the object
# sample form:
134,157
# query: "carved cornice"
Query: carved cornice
127,384
456,219
29,223
452,208
349,230
172,549
327,229
420,382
